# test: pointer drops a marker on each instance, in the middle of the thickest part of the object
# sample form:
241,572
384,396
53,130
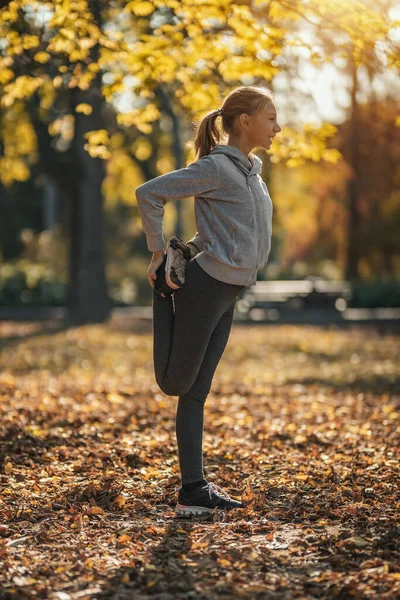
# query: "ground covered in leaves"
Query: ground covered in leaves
302,422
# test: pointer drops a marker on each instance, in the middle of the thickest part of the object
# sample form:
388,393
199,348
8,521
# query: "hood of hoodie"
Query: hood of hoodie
248,165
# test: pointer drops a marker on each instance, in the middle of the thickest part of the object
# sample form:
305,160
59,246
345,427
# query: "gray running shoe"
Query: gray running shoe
203,500
178,254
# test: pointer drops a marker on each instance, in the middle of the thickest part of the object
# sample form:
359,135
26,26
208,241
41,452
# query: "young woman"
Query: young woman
196,283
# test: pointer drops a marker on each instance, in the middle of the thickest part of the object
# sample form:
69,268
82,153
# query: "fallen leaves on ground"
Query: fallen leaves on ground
301,422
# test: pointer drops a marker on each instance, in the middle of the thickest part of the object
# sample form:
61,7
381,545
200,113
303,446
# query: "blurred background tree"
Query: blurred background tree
98,96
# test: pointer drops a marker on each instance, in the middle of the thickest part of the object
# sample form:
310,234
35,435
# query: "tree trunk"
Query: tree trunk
353,183
88,300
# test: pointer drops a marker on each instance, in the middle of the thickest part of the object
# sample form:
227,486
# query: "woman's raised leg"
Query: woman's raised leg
181,336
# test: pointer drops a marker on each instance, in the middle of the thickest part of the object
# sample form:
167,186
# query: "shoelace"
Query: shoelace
213,487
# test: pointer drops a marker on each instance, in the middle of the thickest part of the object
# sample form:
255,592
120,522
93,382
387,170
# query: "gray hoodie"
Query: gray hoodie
233,211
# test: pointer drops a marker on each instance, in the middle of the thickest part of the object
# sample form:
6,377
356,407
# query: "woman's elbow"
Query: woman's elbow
140,191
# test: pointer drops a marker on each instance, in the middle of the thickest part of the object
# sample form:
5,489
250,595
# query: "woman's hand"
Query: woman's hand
156,261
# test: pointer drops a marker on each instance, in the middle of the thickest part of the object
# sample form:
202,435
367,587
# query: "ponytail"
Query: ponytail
208,134
249,99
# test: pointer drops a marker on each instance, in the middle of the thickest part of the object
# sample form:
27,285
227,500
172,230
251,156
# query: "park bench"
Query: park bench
288,296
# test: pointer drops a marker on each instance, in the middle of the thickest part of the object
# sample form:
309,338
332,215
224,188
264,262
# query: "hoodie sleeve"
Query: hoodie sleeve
198,178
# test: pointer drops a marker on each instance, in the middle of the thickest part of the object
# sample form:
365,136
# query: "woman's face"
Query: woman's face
263,127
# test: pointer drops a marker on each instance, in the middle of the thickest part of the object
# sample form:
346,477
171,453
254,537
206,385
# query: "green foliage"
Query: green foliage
375,294
31,284
23,283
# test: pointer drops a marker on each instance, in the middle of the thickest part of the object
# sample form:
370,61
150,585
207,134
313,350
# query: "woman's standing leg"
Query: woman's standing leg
190,412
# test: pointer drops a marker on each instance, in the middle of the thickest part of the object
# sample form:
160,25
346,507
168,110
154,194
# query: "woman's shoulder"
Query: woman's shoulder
220,161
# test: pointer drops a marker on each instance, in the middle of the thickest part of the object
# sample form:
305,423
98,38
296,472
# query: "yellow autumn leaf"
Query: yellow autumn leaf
84,108
124,539
119,500
140,8
42,57
77,525
98,151
95,510
67,33
29,41
98,136
5,76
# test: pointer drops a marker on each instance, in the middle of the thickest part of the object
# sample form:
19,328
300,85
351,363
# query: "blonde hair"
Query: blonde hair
249,99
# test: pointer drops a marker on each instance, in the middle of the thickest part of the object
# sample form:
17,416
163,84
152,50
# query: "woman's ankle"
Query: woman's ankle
193,249
189,487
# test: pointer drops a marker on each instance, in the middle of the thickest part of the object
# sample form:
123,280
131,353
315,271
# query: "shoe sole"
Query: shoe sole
174,244
183,511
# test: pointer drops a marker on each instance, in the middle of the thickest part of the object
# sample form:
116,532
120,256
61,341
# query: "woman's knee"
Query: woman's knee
174,388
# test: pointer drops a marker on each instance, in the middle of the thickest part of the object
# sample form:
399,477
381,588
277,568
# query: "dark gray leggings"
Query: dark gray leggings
191,330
